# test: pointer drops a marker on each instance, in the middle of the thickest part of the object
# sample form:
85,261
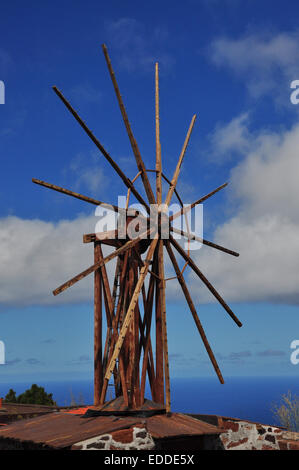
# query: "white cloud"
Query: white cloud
230,139
265,230
87,174
264,61
137,47
37,256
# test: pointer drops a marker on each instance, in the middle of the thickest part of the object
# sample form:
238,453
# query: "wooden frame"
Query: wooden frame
131,307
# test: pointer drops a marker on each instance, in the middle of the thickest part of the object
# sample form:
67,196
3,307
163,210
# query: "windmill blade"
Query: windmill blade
205,280
158,143
193,310
179,164
126,180
130,312
95,266
199,201
191,236
77,195
133,142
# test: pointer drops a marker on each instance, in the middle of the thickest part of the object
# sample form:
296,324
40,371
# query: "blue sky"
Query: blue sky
231,62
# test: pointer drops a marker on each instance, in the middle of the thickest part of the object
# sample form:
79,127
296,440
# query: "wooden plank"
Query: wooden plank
191,236
179,164
133,142
184,210
148,307
110,307
129,314
159,383
98,366
205,281
158,144
114,165
95,266
193,310
164,323
77,195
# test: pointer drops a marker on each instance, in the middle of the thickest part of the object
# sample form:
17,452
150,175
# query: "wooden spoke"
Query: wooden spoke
199,201
205,280
114,165
179,164
193,310
203,241
133,142
77,195
95,266
158,144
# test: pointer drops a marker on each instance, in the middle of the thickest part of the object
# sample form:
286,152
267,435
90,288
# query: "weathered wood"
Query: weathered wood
159,382
133,142
148,307
164,323
77,195
186,209
129,314
92,268
110,307
205,281
191,236
193,310
158,144
126,180
169,182
179,164
98,366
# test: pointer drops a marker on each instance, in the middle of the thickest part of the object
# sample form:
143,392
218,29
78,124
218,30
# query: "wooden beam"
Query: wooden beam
191,236
95,266
78,196
133,142
148,307
164,324
205,280
193,310
114,165
129,314
98,366
158,144
186,209
179,164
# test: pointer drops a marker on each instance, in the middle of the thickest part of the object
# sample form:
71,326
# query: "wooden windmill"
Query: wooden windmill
133,310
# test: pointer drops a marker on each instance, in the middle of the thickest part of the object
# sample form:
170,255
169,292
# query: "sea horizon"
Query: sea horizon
243,397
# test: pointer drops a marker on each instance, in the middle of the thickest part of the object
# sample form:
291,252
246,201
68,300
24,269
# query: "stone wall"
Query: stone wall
244,435
236,435
134,438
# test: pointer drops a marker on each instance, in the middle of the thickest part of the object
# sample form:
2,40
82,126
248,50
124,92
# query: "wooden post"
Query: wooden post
98,366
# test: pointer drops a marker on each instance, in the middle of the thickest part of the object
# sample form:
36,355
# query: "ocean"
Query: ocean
252,398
